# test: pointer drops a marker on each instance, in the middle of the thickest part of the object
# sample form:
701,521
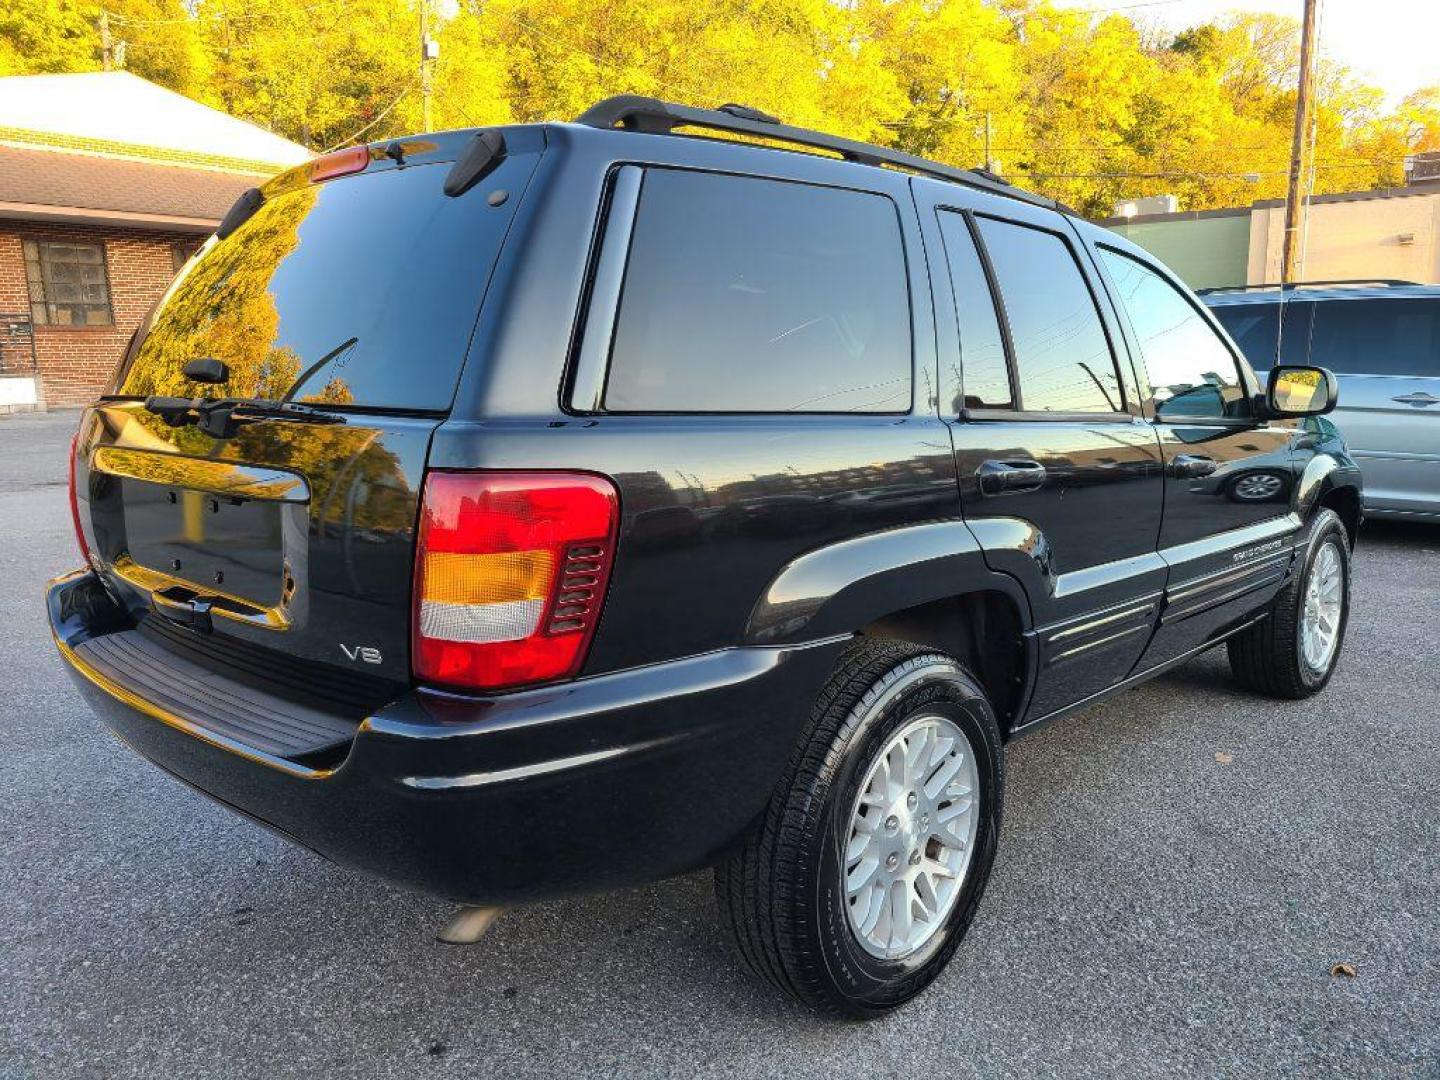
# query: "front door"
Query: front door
1387,355
1228,530
1059,475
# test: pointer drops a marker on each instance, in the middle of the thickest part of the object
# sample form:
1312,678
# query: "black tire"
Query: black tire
1267,657
781,892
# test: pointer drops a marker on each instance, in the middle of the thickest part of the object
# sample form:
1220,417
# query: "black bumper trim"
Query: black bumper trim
607,781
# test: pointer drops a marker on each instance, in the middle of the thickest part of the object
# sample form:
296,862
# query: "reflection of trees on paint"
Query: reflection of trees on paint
223,308
353,478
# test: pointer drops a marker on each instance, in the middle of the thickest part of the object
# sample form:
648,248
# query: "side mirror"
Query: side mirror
1300,391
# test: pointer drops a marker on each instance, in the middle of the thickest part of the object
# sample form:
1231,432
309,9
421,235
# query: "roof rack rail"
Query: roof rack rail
1386,283
655,117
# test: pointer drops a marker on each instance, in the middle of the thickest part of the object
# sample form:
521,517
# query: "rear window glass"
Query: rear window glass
749,295
1377,337
1062,356
360,291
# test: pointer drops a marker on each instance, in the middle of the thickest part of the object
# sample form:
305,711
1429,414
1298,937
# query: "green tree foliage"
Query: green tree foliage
42,36
157,39
1089,108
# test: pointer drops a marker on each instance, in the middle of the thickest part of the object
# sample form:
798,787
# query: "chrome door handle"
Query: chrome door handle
1192,466
1005,477
1419,399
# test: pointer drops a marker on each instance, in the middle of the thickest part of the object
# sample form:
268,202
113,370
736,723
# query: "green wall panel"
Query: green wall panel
1204,252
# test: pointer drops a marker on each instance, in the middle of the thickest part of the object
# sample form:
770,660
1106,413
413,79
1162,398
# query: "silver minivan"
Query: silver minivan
1383,341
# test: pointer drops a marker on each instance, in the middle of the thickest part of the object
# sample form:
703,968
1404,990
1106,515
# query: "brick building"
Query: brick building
107,184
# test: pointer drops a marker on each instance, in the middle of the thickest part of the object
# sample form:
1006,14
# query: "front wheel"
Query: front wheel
1293,652
857,886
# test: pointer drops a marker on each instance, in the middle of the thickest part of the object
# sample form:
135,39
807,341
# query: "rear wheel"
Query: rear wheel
857,886
1292,653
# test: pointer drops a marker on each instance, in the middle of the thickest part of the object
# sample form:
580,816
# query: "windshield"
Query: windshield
360,291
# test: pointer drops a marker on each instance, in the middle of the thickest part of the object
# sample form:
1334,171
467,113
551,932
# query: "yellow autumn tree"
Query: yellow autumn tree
1086,106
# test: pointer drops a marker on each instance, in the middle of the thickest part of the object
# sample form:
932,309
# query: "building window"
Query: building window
68,284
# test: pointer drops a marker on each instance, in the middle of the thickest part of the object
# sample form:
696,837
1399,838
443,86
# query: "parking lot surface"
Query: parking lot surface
1178,872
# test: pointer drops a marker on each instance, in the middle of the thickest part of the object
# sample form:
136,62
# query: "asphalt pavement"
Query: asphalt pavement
1179,870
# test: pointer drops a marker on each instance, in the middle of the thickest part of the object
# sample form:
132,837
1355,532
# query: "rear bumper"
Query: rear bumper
613,780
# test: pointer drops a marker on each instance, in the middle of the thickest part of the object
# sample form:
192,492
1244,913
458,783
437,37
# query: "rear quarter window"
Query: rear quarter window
1264,330
1377,337
761,296
359,291
1253,327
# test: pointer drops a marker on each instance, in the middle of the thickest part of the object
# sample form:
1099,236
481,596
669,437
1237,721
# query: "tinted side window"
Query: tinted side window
1255,328
1377,337
1062,356
1192,372
749,295
985,375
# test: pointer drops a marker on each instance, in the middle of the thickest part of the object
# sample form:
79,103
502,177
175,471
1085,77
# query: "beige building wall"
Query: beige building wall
1376,235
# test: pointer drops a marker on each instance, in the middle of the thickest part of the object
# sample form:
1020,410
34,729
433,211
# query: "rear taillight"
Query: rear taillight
75,499
510,573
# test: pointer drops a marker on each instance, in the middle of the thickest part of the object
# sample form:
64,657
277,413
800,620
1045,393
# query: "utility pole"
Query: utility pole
427,54
107,54
1303,89
989,161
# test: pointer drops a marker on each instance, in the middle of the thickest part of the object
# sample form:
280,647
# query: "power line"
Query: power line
1129,7
515,20
383,113
205,13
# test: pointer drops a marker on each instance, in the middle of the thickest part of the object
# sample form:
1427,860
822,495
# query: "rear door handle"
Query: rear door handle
1192,466
1419,399
1005,477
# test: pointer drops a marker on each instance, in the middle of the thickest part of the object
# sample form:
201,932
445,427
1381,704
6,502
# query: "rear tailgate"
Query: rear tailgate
286,539
283,555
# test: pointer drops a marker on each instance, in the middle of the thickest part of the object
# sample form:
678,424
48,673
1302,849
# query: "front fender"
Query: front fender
843,586
1326,471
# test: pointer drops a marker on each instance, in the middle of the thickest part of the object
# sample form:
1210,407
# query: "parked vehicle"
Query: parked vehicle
555,507
1383,341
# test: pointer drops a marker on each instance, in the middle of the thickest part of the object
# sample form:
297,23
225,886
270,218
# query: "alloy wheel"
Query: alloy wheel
1324,606
911,835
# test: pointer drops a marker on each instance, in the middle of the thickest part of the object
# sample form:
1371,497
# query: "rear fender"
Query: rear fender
839,588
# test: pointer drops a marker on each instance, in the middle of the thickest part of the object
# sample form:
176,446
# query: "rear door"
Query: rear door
1229,476
1387,355
285,552
1059,476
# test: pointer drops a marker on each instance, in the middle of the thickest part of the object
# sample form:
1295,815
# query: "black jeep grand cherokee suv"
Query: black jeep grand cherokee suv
556,507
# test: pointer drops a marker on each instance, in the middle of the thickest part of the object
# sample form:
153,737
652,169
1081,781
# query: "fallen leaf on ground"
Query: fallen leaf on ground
1348,970
1223,758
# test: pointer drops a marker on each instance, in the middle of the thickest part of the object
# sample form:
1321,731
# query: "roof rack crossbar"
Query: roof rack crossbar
1387,283
655,117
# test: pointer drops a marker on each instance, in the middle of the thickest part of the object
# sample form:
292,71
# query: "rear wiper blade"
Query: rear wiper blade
221,418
